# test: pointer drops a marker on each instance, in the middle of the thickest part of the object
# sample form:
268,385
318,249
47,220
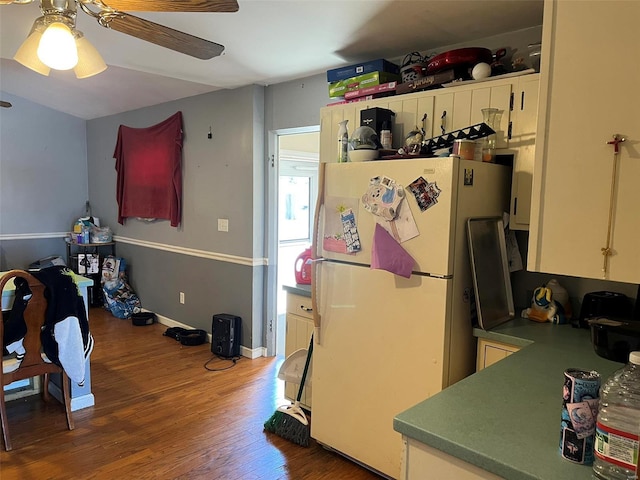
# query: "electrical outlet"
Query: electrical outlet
223,225
182,297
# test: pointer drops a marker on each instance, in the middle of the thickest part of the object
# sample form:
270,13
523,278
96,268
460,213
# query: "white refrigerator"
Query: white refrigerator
385,342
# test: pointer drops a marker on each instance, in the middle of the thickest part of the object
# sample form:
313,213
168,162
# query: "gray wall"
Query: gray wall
43,180
219,272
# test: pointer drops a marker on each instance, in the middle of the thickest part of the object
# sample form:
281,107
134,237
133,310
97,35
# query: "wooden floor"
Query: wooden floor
159,414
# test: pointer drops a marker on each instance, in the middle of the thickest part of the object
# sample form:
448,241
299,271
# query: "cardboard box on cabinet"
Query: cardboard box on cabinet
379,65
338,89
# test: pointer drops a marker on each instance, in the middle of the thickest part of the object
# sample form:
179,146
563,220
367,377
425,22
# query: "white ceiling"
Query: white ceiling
267,42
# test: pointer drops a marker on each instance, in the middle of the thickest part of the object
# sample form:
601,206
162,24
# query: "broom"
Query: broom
289,421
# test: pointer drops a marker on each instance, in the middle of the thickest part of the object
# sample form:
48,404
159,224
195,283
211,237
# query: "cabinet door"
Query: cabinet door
425,115
580,111
523,141
461,115
469,102
298,335
410,111
330,118
443,114
490,352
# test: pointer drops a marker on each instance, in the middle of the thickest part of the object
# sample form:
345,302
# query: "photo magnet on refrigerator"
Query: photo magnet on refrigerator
426,193
350,229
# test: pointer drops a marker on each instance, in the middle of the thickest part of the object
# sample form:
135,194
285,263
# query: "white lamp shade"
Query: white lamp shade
57,48
27,56
89,60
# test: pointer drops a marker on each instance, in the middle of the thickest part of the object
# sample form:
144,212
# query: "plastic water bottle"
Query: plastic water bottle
618,424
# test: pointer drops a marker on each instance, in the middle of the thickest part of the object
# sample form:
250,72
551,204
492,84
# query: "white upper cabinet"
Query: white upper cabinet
588,92
522,141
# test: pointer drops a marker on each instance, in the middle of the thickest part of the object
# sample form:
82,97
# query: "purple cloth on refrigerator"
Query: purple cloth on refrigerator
387,254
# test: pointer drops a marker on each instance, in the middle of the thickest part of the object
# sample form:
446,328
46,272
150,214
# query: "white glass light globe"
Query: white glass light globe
57,48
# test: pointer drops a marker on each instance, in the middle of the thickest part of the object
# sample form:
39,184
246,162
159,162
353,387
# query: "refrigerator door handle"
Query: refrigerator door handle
315,270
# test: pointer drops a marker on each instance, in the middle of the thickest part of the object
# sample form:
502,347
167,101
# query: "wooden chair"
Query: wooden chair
35,363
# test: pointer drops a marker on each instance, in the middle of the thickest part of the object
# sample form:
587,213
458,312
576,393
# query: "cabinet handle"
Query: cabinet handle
306,309
515,206
521,101
509,130
443,121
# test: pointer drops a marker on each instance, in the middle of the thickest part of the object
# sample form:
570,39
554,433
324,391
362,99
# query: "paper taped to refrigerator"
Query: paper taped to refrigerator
387,254
333,239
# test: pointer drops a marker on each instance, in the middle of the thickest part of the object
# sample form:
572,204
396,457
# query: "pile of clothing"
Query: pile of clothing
120,298
66,339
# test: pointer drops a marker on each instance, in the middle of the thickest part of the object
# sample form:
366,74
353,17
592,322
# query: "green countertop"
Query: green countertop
298,289
506,418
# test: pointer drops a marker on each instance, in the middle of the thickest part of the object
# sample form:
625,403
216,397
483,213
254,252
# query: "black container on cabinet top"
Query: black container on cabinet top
376,117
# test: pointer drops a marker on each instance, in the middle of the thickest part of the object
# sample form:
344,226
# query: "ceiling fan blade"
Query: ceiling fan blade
5,104
172,5
161,35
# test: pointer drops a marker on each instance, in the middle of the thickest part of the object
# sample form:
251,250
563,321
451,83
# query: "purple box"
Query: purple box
380,65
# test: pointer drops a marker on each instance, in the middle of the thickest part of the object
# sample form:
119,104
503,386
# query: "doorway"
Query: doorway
297,187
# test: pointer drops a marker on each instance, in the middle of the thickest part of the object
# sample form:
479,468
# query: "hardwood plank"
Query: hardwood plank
160,414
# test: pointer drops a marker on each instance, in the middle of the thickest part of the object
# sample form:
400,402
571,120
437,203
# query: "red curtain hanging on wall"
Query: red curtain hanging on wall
149,166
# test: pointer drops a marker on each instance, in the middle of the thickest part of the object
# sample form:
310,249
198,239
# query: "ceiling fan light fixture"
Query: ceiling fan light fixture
57,48
90,61
27,56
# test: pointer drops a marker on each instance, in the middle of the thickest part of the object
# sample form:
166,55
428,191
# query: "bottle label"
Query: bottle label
616,446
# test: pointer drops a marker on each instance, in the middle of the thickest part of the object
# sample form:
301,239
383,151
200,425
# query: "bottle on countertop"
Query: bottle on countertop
85,234
386,137
343,142
618,424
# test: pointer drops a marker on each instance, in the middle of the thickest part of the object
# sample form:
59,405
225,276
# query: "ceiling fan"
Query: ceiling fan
113,16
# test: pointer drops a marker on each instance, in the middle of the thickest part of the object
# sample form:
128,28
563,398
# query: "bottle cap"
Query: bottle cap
634,357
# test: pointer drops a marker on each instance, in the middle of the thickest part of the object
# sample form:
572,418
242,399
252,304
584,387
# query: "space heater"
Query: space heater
226,335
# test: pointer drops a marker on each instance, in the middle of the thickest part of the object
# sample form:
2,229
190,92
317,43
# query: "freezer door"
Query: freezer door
347,183
382,351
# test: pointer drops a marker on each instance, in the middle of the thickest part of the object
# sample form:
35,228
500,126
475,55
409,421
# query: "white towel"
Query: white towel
70,348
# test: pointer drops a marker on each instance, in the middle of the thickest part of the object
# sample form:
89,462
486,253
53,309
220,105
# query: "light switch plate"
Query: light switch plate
223,225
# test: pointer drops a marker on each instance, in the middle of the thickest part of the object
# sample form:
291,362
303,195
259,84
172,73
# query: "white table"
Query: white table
81,396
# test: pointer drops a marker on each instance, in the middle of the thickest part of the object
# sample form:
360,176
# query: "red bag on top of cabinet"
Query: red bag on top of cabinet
149,166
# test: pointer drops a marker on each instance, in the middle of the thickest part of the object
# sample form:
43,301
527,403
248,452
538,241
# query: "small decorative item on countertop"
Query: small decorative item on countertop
544,308
363,145
579,411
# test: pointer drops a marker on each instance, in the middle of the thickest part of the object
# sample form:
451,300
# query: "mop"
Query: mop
290,421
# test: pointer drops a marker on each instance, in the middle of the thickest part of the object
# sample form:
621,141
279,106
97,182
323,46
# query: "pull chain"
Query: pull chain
606,250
